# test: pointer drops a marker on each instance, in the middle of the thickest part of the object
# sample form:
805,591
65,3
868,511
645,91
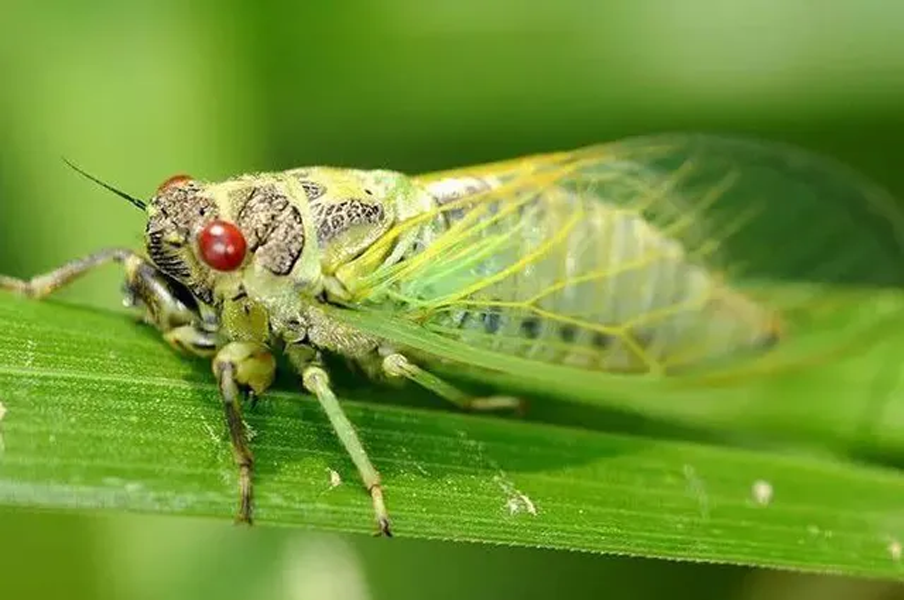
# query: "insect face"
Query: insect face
187,240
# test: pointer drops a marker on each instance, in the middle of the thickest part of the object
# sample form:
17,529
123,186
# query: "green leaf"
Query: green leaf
101,414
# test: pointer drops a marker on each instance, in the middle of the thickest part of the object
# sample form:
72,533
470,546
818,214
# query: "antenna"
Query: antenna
131,199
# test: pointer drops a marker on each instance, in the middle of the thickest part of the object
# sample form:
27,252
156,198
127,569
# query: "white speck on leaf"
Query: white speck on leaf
2,411
762,492
335,479
211,432
513,495
516,499
513,506
697,489
29,353
528,504
894,550
227,473
416,464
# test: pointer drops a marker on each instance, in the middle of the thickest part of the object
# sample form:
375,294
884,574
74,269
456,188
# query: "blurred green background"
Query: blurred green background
136,92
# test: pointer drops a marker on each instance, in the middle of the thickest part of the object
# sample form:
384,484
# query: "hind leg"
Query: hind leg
397,365
316,381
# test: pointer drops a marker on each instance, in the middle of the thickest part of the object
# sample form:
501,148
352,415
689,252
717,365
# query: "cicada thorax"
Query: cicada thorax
273,238
562,275
273,225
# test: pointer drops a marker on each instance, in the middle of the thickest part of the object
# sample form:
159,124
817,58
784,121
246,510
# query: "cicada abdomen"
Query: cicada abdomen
615,259
572,278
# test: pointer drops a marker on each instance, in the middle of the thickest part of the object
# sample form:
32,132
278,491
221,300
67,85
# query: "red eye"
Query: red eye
174,180
222,245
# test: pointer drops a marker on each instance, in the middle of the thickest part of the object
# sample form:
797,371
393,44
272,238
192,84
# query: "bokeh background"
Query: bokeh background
138,91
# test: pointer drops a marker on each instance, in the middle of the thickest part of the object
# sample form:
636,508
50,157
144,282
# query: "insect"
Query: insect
646,259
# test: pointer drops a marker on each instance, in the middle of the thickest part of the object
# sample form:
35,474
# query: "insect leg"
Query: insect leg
143,281
397,365
46,283
316,380
192,340
240,366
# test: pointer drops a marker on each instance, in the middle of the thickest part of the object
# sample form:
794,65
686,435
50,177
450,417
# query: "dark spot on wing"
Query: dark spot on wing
568,333
601,340
456,214
491,321
530,327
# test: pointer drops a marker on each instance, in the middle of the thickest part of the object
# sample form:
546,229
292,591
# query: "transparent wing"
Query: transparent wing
803,237
763,209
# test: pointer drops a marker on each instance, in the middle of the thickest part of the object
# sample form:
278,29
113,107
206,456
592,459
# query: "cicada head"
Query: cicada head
186,238
246,234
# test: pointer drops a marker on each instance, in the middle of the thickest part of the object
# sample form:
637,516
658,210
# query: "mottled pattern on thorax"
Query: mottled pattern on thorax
349,208
273,227
334,219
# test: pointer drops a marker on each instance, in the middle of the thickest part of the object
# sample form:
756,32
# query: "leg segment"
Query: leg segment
42,285
144,283
316,381
190,339
396,365
242,366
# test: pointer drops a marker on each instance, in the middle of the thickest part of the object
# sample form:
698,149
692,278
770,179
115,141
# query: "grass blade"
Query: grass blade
100,414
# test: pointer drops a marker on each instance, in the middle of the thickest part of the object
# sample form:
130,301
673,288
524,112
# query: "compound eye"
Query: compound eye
173,181
222,245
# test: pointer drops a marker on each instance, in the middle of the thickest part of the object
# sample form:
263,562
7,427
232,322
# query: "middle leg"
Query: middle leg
316,381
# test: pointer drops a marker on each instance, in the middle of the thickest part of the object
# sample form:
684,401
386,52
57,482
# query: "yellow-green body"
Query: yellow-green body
559,275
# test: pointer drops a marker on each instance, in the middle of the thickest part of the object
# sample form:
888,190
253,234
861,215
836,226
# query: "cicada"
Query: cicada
652,258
